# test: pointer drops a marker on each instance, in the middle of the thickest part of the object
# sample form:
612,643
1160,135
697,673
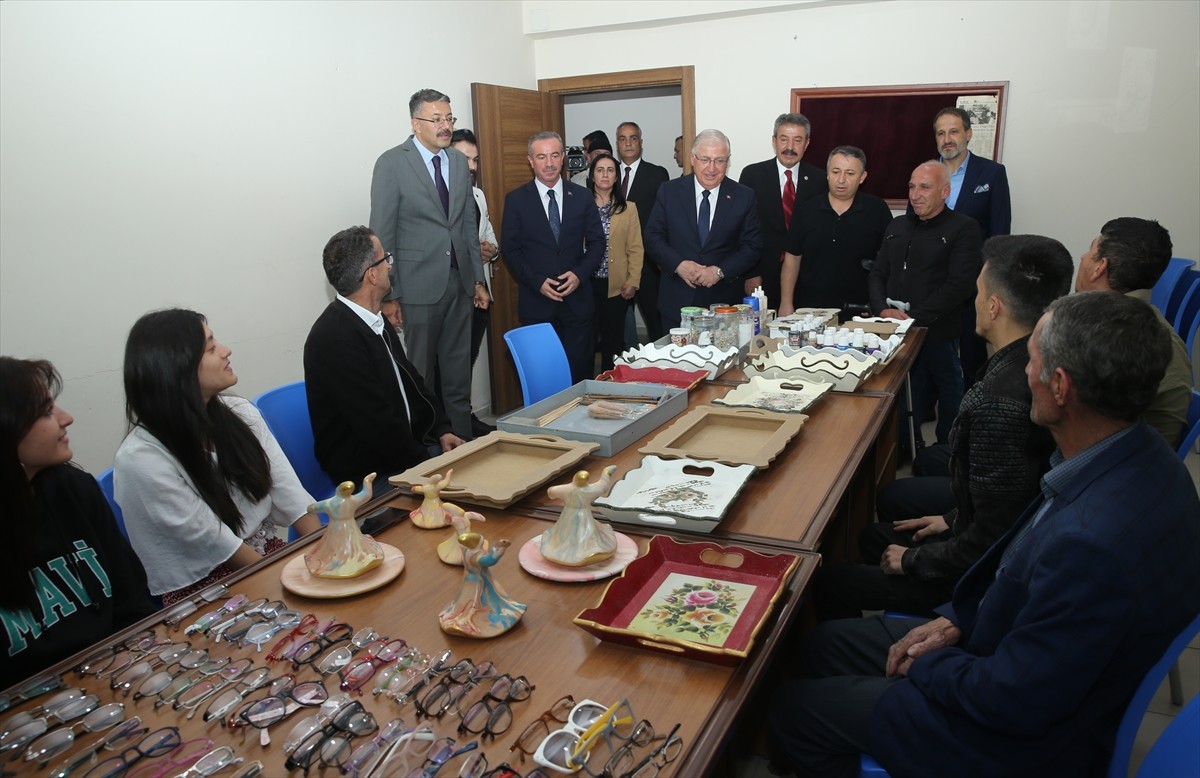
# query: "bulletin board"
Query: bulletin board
893,125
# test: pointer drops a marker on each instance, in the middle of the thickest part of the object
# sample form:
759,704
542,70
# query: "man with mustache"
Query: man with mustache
782,184
832,242
423,211
979,189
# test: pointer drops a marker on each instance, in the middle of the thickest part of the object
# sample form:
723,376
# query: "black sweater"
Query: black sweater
89,581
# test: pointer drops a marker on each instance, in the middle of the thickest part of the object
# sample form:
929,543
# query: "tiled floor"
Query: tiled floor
1158,716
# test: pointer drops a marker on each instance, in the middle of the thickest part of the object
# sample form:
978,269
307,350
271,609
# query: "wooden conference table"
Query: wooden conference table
812,498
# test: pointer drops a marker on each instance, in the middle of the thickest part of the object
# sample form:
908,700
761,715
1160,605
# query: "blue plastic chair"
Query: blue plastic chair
1136,710
1176,753
1161,293
1192,431
1182,286
105,480
541,361
285,409
1188,314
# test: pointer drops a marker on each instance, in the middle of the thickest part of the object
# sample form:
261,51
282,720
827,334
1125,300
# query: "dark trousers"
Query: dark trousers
972,349
937,376
647,300
479,325
608,322
818,726
911,498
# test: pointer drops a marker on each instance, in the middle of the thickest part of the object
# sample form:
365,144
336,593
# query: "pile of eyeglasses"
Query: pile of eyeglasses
339,732
604,742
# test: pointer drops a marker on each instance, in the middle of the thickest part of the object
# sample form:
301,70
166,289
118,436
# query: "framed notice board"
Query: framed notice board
894,126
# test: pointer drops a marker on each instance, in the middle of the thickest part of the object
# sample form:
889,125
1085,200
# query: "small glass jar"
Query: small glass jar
725,336
702,329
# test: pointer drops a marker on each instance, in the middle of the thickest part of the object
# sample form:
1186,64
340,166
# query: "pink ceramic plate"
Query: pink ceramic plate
535,564
683,379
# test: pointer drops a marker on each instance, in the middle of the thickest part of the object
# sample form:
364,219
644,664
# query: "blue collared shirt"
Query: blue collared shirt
1062,472
956,181
427,156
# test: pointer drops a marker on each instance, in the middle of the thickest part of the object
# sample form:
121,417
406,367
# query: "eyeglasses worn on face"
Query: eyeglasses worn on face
449,121
706,161
387,257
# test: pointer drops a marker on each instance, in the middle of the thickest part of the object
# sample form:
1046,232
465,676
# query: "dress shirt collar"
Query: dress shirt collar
427,157
956,181
372,320
542,189
712,199
1063,471
780,169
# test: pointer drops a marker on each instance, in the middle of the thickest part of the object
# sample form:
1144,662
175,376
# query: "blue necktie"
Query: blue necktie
705,217
552,212
443,195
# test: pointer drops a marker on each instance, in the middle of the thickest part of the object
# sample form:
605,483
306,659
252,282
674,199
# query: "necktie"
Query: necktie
444,196
705,217
552,212
789,203
625,183
789,198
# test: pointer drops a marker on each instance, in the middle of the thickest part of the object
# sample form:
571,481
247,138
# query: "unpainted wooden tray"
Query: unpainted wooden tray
775,394
731,436
499,468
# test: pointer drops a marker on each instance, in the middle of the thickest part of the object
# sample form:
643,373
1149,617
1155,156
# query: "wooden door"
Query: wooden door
505,117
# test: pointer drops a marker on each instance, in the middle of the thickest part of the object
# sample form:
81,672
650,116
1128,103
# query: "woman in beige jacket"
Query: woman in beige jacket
616,280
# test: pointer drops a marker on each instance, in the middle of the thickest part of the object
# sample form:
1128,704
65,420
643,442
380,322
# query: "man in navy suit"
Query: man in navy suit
552,241
640,180
979,189
703,233
782,184
1029,668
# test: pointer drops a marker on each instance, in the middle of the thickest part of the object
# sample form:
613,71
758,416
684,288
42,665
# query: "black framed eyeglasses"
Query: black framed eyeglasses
449,121
387,257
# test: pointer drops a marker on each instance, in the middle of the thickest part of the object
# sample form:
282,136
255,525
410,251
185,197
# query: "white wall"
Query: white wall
201,154
1104,111
657,112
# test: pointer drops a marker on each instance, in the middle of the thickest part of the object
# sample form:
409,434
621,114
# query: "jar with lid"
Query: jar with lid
703,327
725,336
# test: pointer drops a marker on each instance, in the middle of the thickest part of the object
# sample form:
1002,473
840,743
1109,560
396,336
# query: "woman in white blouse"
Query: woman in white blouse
200,480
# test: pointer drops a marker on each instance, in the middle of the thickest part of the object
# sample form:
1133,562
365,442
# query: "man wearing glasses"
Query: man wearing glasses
422,209
703,233
371,412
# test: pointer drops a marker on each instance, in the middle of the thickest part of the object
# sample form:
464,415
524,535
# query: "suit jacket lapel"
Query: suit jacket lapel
970,181
422,174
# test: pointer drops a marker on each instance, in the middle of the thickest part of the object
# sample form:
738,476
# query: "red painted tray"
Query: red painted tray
700,600
683,379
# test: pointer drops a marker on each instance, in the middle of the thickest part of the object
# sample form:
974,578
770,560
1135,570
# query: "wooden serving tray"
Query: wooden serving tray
775,394
499,468
698,600
731,436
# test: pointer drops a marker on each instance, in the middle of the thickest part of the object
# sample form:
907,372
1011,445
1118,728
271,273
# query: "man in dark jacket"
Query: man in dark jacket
371,412
997,457
926,270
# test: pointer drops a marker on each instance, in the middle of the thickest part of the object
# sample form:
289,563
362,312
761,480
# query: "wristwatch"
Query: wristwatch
720,273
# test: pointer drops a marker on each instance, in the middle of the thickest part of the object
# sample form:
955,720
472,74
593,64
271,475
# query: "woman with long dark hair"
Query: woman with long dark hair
201,481
69,578
615,281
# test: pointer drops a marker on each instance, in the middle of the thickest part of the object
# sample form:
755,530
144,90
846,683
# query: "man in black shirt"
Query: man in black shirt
926,270
832,242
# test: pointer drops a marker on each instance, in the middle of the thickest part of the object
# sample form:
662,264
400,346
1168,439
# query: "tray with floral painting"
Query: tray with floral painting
699,600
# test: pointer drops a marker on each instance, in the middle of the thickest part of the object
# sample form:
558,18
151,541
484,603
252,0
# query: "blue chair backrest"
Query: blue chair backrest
1192,431
1182,286
1176,753
1160,295
105,480
541,361
1136,710
1189,308
285,409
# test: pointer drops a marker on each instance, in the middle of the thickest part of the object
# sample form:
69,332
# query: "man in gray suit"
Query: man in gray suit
423,211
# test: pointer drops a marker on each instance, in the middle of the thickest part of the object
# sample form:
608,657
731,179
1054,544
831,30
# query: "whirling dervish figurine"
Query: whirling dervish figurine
449,551
432,514
482,608
577,539
344,551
